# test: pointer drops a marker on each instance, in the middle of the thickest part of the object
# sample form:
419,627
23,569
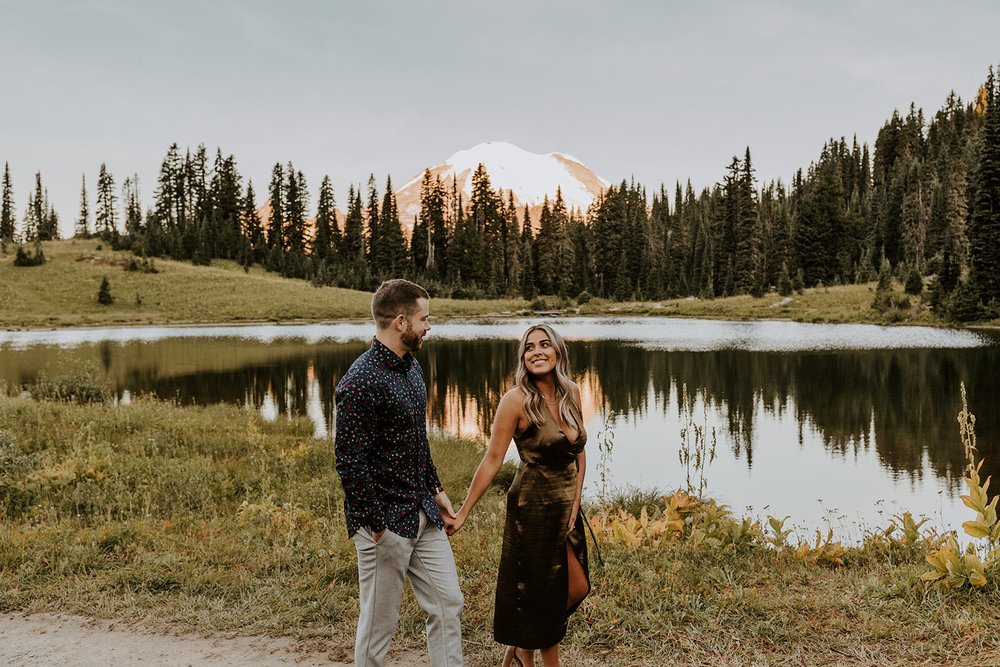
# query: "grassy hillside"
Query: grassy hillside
63,292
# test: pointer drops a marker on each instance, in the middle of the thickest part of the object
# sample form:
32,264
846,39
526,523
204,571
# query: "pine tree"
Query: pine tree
374,245
252,228
276,222
83,221
106,212
354,244
394,258
40,212
104,293
296,204
546,249
529,287
747,243
565,253
984,213
133,206
512,248
437,220
327,237
7,208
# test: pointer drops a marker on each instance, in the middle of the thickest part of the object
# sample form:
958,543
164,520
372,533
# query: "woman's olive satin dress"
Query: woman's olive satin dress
532,584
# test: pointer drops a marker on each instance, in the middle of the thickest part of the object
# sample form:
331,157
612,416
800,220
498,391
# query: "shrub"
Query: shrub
80,384
28,258
104,293
539,304
583,297
914,283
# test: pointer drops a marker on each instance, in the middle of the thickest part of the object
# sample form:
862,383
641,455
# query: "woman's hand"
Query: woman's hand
573,515
454,525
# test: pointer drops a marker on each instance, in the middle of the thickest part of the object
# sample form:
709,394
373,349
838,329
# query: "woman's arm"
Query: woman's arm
504,427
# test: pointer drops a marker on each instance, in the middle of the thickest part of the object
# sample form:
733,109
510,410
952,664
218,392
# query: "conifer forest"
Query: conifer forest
922,206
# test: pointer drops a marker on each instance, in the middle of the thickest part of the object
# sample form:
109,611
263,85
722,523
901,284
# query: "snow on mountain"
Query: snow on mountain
529,176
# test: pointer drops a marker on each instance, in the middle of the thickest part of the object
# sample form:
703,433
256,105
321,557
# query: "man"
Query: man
393,497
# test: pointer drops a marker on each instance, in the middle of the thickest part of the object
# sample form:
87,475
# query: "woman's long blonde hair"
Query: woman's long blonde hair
534,406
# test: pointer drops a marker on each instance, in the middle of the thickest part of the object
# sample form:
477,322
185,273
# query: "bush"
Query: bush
539,304
914,283
28,258
81,384
583,297
964,304
141,264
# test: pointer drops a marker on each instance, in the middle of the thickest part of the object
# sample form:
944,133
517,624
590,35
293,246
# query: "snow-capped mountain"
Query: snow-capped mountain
529,176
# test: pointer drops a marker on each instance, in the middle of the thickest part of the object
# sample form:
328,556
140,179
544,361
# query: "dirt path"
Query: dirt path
63,639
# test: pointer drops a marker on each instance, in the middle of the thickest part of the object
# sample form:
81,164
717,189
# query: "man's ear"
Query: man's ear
400,323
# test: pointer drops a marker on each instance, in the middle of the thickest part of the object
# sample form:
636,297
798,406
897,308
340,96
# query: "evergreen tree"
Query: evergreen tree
133,206
984,213
106,212
512,248
276,221
420,244
394,258
296,204
253,229
83,221
104,293
327,237
747,260
529,287
7,226
46,223
565,252
437,220
546,249
374,246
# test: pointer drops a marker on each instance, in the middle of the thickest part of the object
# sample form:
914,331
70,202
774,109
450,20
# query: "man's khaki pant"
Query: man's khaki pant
430,566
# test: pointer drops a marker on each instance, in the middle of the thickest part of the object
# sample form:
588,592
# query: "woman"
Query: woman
543,565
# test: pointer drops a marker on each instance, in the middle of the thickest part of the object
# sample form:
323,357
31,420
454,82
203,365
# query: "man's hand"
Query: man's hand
447,513
442,502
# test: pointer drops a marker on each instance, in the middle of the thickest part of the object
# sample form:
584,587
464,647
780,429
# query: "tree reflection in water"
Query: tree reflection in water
901,402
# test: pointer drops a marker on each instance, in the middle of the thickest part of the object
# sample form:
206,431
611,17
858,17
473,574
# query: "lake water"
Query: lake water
840,425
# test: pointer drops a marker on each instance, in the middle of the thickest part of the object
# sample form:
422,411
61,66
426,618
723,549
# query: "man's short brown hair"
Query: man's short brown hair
395,297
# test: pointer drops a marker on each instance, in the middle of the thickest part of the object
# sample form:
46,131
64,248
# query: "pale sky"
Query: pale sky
656,90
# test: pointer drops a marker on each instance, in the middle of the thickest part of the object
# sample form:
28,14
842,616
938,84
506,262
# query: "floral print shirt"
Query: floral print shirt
383,457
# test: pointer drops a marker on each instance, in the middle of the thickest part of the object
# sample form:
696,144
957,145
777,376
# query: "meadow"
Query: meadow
63,293
214,520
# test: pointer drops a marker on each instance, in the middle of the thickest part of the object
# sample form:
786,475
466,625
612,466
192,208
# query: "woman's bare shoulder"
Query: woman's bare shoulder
514,397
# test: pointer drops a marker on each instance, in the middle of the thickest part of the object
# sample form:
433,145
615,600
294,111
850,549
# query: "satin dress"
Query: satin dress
532,584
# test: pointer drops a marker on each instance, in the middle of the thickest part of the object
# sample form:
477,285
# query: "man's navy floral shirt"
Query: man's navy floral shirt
383,457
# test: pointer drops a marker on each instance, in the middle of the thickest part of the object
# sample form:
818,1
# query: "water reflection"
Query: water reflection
883,418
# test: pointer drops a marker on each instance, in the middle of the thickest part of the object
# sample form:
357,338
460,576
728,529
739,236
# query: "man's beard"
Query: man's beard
410,339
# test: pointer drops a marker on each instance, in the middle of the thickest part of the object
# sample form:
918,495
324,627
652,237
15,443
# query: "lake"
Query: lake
833,425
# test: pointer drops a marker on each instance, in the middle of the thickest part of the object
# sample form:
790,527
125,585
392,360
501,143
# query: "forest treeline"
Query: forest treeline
923,207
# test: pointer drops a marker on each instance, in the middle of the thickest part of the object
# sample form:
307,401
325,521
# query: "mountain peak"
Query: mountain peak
529,176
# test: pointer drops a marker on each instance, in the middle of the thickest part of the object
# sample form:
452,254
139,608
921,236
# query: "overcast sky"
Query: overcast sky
656,90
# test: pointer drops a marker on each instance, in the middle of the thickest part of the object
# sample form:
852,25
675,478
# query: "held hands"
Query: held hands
453,526
447,512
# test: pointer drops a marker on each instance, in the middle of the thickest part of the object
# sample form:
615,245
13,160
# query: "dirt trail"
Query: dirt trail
64,639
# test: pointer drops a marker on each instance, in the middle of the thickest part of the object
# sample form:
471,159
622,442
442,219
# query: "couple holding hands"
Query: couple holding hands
399,516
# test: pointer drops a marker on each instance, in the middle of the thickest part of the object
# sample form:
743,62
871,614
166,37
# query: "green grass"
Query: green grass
212,519
63,293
